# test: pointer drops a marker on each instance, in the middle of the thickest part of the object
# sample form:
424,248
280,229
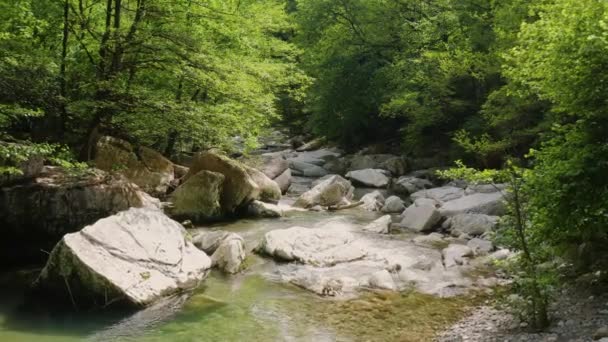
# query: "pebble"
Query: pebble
575,318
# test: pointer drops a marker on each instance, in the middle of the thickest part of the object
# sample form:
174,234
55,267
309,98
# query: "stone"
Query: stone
382,280
274,166
485,188
373,201
456,255
380,225
269,190
198,198
480,246
315,171
143,166
336,258
336,166
429,202
470,224
397,166
238,189
335,190
362,162
420,219
370,177
393,205
227,249
301,166
600,333
260,209
478,203
135,257
408,185
315,246
180,171
441,194
284,180
433,240
230,255
35,214
312,145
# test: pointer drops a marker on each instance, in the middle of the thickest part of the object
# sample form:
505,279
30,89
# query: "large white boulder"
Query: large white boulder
136,256
370,177
314,246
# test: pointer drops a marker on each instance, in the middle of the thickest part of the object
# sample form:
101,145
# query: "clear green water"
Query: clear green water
250,306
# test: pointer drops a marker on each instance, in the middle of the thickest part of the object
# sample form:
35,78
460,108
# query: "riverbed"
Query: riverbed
251,306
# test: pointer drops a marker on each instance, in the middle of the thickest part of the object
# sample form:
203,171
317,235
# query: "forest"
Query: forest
486,91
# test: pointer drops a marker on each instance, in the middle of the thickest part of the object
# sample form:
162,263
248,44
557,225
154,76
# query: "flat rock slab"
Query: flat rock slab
441,194
478,203
319,247
370,177
337,258
136,256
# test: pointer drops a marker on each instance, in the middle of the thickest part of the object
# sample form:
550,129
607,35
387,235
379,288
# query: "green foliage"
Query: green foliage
533,269
167,74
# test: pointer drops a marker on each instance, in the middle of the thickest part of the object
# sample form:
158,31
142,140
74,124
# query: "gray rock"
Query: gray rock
143,166
198,199
333,191
312,145
455,255
284,180
429,202
397,166
238,189
230,254
315,171
226,249
485,188
300,165
36,213
269,190
470,224
600,333
480,246
136,257
370,177
336,166
478,203
373,201
409,185
421,219
441,194
264,210
393,205
380,225
361,162
433,239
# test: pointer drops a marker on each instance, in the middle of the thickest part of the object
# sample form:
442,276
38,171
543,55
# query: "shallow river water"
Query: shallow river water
251,306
